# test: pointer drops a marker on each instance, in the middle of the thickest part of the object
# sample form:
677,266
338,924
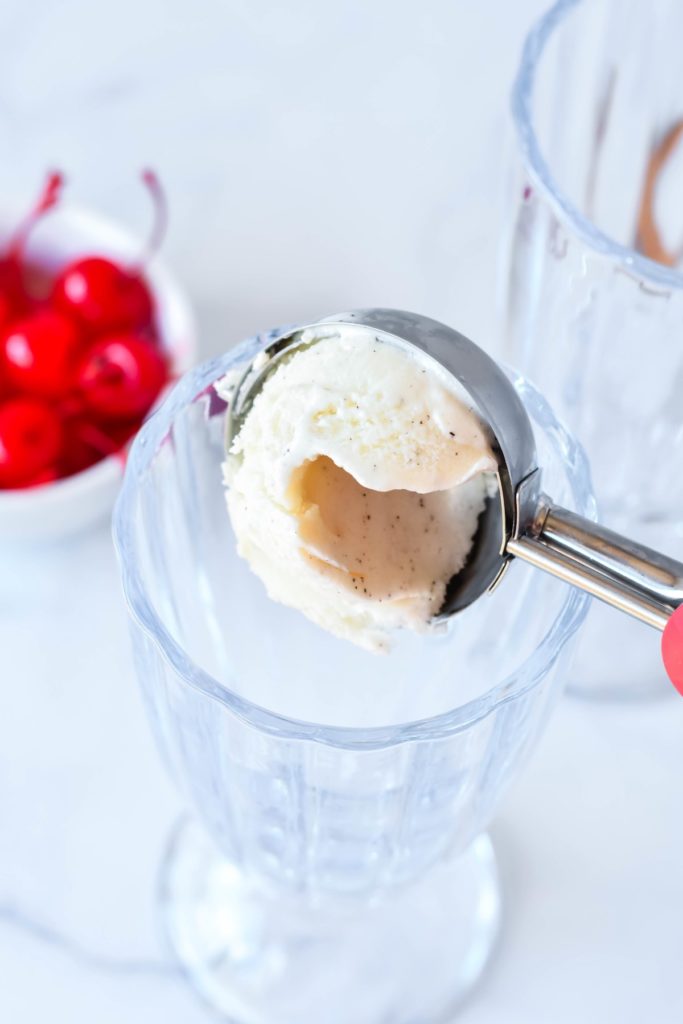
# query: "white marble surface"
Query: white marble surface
318,157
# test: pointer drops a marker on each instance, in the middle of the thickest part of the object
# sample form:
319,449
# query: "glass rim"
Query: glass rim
521,101
525,677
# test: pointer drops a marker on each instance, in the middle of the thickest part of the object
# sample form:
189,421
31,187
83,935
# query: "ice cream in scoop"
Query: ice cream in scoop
355,484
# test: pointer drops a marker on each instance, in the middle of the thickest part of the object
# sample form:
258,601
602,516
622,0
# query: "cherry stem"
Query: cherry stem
49,197
160,222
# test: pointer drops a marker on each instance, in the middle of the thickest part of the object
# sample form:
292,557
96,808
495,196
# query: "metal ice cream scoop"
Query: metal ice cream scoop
520,521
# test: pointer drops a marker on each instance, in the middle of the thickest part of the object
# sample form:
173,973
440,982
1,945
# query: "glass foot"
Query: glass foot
263,958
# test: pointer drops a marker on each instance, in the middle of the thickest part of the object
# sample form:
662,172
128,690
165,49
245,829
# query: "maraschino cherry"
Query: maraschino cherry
120,376
31,439
106,297
39,353
80,369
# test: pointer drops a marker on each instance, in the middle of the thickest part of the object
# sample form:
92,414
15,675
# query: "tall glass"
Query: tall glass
593,281
336,868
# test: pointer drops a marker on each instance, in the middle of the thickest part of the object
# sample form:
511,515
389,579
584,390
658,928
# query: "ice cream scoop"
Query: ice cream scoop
517,519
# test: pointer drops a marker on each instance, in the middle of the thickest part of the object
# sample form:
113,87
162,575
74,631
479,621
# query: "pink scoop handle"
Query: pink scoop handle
672,648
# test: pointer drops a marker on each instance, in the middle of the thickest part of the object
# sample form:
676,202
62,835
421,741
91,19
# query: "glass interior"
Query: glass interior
607,106
591,284
218,612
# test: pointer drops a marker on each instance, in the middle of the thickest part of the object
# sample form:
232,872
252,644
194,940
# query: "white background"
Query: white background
318,157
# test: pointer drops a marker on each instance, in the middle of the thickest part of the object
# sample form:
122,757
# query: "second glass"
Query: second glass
592,282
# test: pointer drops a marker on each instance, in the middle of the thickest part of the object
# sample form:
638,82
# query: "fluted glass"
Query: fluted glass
592,280
344,793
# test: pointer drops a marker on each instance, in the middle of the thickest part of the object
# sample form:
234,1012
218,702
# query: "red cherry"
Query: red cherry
105,297
31,439
40,352
120,377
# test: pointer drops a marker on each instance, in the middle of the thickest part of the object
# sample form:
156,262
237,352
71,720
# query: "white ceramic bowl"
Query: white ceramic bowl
66,506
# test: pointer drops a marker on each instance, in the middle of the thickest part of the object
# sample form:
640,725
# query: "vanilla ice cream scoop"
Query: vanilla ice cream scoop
355,483
406,417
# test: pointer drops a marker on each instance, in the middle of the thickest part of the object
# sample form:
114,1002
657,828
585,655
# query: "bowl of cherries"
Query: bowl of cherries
92,333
